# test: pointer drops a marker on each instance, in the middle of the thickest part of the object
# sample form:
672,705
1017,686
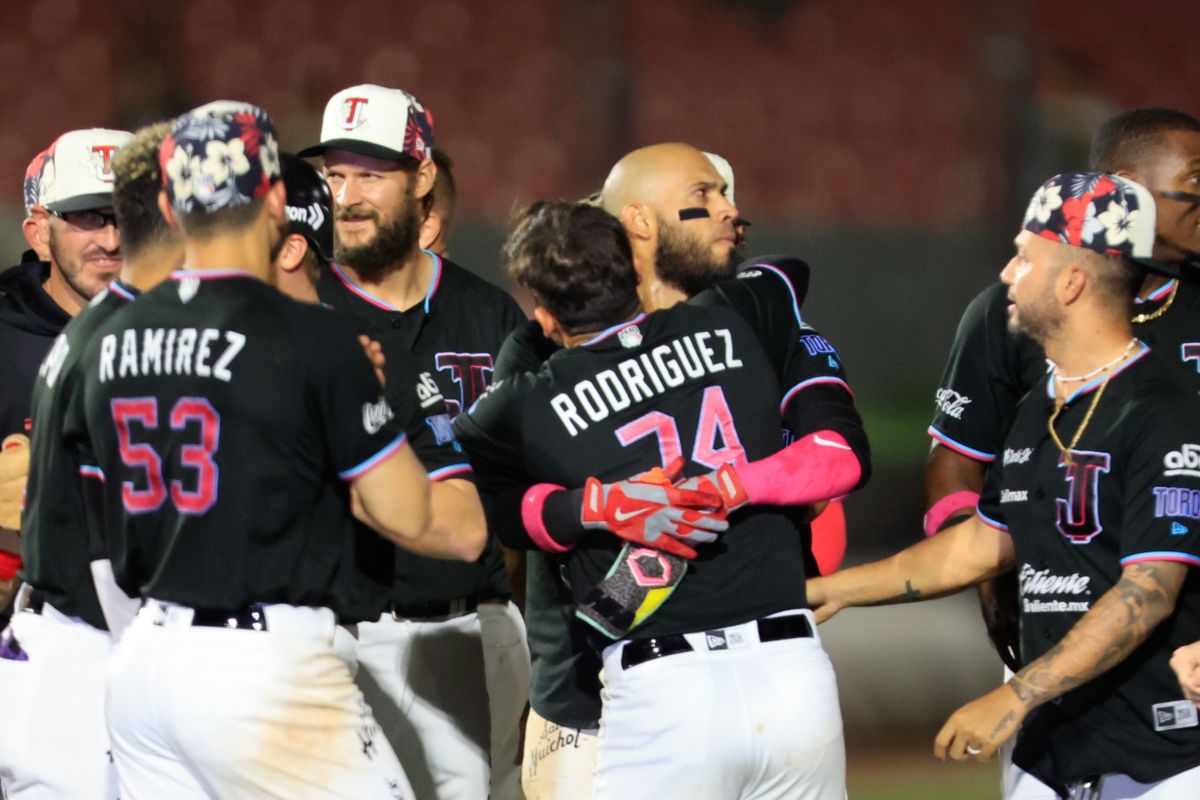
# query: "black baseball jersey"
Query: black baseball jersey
565,686
990,369
455,334
1130,494
225,419
54,526
685,382
29,322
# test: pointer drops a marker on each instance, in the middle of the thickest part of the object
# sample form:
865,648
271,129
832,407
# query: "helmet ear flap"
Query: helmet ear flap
309,204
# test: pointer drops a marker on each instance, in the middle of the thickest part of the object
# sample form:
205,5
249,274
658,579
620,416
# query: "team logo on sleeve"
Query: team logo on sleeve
952,403
443,429
376,415
428,392
1176,501
1184,461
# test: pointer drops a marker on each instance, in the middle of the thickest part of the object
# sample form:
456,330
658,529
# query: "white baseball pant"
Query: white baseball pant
54,740
559,762
745,719
198,712
443,690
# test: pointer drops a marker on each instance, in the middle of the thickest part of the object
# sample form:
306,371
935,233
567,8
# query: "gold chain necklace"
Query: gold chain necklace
1066,451
1138,319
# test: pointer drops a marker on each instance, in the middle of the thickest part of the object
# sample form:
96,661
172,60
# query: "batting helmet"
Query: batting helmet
309,204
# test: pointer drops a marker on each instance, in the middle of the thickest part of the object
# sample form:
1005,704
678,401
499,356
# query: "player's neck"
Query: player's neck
1093,349
151,266
402,286
657,295
1151,283
242,250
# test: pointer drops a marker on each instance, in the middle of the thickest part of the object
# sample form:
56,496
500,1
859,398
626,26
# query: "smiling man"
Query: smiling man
451,619
74,254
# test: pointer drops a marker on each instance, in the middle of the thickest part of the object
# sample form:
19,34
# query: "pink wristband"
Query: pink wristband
531,516
940,511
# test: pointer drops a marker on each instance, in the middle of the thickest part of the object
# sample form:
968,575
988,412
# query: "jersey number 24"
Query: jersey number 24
715,420
194,499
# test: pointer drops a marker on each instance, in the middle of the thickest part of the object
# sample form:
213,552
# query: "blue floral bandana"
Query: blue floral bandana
220,155
1095,210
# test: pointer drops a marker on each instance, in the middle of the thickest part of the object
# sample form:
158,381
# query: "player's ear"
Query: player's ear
640,224
1071,281
292,252
37,232
164,206
431,229
423,179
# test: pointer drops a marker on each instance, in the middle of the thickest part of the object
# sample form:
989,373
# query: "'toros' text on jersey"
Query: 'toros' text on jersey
645,376
203,352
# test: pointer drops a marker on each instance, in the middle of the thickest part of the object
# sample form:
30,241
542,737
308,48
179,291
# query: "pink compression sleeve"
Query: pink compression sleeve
821,466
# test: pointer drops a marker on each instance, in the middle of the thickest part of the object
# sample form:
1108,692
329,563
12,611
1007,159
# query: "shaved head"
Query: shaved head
650,174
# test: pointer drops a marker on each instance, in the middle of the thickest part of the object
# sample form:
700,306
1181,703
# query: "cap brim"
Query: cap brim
369,149
81,202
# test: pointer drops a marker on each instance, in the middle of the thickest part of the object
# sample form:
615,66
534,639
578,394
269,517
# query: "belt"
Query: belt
248,618
770,629
444,608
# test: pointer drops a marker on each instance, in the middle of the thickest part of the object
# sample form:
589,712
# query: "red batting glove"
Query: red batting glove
724,483
648,510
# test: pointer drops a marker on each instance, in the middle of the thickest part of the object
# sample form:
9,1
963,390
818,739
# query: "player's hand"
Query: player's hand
977,730
1186,663
648,510
374,351
14,470
820,599
723,482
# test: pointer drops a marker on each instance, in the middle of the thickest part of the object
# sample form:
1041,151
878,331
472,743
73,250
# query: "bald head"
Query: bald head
653,175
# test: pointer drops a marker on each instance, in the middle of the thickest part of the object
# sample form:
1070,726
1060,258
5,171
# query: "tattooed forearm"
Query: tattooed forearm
1105,636
1004,724
909,595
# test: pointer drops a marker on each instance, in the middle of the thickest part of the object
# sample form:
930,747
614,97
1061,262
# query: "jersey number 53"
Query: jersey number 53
199,496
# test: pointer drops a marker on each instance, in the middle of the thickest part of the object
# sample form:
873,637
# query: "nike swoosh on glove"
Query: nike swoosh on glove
648,510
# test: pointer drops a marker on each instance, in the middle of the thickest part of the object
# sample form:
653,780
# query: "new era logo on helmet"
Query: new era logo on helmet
102,161
355,112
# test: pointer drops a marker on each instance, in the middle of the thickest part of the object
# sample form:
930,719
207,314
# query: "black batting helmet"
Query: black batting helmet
309,204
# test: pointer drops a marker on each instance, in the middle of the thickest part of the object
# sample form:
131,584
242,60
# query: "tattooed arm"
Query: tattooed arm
1102,638
960,556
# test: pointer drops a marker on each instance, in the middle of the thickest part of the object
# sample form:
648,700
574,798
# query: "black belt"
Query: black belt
443,608
36,602
247,618
771,629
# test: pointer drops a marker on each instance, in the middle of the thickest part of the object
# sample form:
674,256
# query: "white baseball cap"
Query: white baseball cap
375,121
725,170
75,172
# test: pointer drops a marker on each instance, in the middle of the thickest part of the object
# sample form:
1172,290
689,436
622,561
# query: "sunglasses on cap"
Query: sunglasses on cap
87,220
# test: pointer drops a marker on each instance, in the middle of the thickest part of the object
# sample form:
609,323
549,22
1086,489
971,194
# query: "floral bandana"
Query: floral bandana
1095,210
221,155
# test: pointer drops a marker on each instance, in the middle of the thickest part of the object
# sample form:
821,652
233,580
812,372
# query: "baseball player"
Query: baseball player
688,384
55,657
231,429
1090,501
300,259
74,253
989,369
433,662
565,698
